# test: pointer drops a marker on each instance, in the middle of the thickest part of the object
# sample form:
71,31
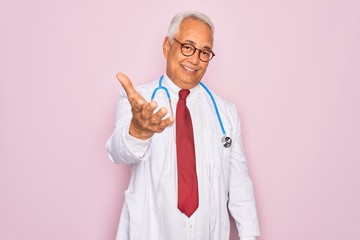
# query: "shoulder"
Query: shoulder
223,104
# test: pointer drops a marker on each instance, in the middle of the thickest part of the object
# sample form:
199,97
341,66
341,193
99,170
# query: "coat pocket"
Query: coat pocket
134,204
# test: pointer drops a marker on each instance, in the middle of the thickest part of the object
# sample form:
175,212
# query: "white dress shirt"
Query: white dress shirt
170,222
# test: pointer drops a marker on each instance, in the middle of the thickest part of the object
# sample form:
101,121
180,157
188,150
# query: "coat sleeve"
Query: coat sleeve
121,147
241,196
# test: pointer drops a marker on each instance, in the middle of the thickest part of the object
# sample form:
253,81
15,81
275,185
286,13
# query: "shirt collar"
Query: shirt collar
174,90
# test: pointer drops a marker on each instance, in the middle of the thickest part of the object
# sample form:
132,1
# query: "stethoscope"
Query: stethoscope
225,140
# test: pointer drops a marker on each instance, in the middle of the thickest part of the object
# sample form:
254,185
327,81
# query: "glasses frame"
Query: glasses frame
188,55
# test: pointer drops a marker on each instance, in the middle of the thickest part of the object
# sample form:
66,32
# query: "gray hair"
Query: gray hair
180,17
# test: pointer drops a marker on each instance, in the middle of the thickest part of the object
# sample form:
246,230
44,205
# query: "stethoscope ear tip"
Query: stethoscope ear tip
226,141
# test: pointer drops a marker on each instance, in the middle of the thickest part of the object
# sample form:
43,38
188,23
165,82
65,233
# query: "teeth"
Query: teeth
189,69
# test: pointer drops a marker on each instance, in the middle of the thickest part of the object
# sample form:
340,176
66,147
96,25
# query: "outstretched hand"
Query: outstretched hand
145,122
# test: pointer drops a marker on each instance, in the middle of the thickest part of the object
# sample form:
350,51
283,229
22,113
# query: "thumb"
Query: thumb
126,83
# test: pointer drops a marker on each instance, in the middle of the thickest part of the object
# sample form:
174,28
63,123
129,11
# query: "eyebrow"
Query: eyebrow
193,43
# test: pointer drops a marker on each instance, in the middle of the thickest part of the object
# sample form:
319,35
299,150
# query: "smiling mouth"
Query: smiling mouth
189,69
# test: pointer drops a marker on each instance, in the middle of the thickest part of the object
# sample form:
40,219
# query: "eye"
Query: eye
205,53
188,47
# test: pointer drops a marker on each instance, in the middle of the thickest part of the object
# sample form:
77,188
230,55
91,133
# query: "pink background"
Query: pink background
291,67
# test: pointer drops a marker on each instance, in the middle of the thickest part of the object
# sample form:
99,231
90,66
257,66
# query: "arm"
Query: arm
136,123
241,197
121,146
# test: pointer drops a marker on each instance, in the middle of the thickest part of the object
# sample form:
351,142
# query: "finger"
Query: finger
136,100
126,83
148,109
158,116
136,105
165,123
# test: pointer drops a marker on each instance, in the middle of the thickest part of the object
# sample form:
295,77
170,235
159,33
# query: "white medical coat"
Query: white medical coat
229,184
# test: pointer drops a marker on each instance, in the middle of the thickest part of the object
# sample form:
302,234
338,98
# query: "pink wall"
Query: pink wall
296,68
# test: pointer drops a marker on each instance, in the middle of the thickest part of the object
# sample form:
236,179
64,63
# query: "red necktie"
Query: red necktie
188,199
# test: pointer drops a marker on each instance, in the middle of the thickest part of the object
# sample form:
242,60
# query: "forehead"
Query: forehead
196,31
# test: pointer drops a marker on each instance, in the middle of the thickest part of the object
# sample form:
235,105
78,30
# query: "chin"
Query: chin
191,82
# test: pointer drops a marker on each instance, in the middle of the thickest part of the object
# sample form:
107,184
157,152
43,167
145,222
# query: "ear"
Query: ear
166,47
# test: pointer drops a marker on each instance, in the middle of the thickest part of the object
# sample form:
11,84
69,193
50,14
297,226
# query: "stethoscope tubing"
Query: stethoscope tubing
225,139
215,107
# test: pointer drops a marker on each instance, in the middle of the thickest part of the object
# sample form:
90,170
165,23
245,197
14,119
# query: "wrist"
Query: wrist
139,134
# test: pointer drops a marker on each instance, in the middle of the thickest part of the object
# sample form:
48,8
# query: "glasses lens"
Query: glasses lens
206,55
188,49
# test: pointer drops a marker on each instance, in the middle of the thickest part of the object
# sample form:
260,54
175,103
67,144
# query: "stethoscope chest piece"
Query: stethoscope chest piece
226,141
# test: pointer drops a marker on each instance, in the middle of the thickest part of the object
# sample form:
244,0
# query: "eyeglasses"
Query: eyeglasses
188,50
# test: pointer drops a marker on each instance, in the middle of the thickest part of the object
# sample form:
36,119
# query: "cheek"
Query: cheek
172,60
203,68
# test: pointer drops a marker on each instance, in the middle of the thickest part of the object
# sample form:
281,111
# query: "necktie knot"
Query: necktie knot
183,93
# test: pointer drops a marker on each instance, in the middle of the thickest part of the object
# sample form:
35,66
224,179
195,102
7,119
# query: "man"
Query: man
167,200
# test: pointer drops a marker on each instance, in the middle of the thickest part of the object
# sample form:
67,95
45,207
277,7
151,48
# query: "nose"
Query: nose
195,58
